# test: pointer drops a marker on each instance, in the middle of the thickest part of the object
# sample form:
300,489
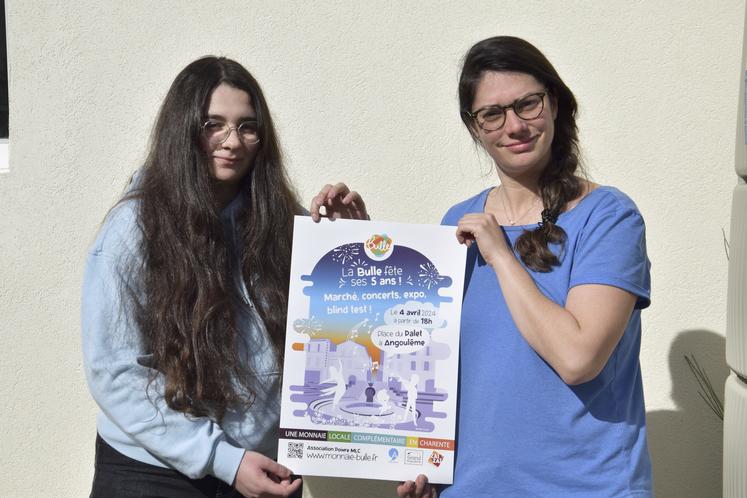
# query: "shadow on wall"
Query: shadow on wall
686,443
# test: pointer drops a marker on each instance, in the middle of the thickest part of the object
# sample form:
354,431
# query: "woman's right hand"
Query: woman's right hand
262,477
421,488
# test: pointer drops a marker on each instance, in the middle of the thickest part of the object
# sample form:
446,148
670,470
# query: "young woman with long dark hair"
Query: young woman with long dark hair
550,399
185,295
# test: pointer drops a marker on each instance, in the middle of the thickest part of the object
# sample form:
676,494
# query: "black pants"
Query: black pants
119,476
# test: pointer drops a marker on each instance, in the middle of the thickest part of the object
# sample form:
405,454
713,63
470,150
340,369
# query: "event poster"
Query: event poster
372,350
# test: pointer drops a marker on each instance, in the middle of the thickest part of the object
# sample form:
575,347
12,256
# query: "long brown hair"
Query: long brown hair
188,312
558,183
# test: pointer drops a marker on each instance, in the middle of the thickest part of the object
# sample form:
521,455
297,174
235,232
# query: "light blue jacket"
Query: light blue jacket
133,417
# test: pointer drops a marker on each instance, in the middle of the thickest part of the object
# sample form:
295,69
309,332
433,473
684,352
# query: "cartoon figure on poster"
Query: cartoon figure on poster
370,360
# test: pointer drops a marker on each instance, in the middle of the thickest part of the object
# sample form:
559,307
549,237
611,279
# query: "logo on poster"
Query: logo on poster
393,455
414,457
436,458
378,247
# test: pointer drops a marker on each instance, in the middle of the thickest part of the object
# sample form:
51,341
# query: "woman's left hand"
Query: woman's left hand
339,202
483,229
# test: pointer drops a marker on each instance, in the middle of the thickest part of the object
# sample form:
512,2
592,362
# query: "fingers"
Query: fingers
483,229
259,475
405,489
464,236
271,466
283,488
325,198
338,202
339,190
290,487
278,481
421,488
318,201
355,201
279,477
333,204
420,483
473,226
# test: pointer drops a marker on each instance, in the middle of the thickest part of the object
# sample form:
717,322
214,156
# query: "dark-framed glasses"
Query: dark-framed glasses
216,132
493,117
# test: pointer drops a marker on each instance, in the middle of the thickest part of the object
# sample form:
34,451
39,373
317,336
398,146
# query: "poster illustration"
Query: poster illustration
372,349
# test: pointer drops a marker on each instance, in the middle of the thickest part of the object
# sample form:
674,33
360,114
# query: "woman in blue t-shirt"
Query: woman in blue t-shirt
551,400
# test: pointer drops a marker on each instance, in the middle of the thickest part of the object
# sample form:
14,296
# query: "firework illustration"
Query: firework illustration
359,263
429,275
343,254
309,326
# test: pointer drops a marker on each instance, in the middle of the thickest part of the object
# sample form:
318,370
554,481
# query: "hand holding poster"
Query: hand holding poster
372,349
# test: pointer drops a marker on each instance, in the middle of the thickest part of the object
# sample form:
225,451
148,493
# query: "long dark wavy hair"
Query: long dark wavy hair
558,182
190,299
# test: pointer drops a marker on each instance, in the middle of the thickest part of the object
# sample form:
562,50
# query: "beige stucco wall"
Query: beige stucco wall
363,92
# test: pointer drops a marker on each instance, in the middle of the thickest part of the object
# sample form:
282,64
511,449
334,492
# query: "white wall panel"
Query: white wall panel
735,436
740,156
736,308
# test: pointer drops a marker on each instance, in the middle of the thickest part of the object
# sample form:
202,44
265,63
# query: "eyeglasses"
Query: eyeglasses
216,132
493,117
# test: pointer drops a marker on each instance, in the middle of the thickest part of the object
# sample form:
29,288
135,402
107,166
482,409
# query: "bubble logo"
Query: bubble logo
378,247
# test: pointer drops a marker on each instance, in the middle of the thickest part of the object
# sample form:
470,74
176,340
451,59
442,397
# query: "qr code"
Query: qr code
295,450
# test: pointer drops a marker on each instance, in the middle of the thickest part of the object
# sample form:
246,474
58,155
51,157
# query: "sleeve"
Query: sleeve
119,383
611,250
452,217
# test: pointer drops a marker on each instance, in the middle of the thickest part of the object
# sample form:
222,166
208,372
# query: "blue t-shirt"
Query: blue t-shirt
523,432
